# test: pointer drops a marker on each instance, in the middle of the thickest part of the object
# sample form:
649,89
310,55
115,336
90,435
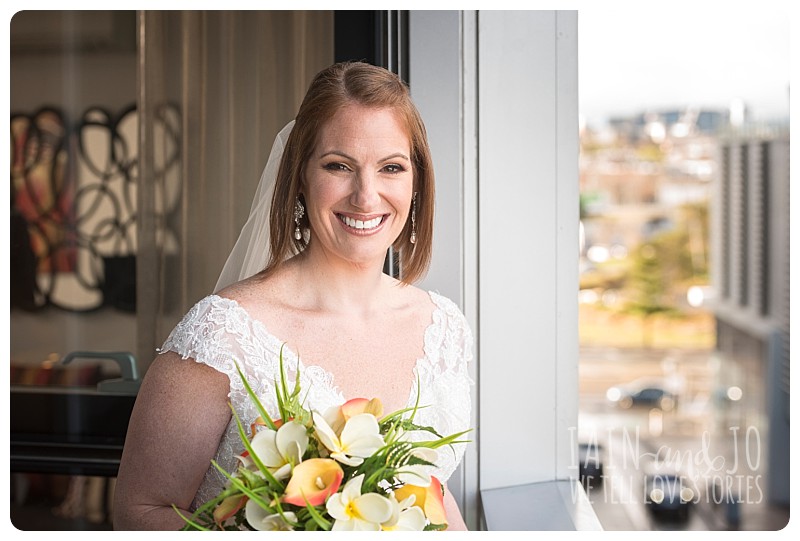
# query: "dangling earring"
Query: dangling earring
299,212
414,219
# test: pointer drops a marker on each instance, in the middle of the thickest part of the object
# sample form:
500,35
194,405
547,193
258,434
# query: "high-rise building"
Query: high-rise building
750,276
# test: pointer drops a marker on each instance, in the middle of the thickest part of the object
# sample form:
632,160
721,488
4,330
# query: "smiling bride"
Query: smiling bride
349,178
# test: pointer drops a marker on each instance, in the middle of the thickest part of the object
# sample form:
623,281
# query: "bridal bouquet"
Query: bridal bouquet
348,468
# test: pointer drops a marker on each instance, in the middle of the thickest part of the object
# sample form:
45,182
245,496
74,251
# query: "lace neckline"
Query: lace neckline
289,355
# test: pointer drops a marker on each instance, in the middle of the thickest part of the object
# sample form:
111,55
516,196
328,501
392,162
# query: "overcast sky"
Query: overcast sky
634,56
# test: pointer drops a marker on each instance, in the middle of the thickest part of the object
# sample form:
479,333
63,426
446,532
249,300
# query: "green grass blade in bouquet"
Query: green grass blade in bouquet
318,519
256,402
259,464
190,523
452,439
289,404
203,516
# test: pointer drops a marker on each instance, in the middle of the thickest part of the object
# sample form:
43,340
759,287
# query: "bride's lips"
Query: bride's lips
359,224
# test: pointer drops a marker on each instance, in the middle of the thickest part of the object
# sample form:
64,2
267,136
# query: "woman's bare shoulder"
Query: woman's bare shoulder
171,371
255,292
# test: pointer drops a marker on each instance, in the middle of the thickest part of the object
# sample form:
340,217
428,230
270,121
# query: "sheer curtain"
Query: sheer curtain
214,89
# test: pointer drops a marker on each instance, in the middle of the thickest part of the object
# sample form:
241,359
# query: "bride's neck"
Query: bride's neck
340,286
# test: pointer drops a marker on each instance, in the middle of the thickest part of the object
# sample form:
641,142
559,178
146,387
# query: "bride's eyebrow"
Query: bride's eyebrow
338,154
350,158
396,155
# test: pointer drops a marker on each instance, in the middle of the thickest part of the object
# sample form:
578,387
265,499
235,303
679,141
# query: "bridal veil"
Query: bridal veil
251,251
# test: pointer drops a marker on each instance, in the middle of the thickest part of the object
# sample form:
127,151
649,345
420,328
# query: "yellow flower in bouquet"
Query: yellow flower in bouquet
348,468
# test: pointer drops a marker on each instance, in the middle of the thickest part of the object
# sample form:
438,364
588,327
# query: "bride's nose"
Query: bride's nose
365,194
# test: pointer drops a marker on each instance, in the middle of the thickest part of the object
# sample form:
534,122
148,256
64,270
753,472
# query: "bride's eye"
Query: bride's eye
394,168
336,166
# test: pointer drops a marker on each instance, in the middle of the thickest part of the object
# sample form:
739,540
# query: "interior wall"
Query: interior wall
528,242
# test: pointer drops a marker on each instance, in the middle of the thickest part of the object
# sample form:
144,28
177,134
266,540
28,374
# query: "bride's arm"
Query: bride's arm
454,519
180,414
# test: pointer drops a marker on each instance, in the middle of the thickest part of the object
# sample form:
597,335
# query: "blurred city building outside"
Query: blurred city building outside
646,185
751,280
685,268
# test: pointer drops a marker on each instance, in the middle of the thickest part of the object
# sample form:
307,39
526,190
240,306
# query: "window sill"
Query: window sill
545,506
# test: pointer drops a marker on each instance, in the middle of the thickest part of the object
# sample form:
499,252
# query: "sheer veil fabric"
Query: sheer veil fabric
251,251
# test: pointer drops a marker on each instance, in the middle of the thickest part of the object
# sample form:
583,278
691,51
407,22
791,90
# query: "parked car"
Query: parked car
668,495
650,393
590,464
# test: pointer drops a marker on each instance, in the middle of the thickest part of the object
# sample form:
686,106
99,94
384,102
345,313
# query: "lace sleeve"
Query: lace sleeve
445,381
216,332
201,335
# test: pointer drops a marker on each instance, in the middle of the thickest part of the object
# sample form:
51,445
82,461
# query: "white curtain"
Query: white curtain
214,89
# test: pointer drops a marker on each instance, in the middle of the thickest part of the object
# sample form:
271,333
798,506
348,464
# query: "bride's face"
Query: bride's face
358,184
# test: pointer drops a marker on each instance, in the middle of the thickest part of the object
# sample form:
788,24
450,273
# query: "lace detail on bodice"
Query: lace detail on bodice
221,334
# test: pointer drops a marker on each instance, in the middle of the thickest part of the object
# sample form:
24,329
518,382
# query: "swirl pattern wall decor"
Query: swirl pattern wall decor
73,207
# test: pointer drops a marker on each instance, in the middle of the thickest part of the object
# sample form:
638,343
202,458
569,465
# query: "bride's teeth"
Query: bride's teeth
360,224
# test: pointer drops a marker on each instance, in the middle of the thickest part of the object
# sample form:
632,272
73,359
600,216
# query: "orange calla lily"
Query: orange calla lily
355,406
228,508
260,422
255,424
430,499
313,480
337,416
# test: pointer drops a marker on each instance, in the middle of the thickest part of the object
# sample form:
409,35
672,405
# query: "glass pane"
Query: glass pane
683,135
74,144
73,253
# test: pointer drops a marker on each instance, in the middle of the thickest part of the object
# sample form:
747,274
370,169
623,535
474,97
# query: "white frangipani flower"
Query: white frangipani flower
282,450
261,520
405,516
353,511
360,438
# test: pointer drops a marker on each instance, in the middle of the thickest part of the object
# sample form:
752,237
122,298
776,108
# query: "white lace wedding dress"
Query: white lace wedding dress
218,332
